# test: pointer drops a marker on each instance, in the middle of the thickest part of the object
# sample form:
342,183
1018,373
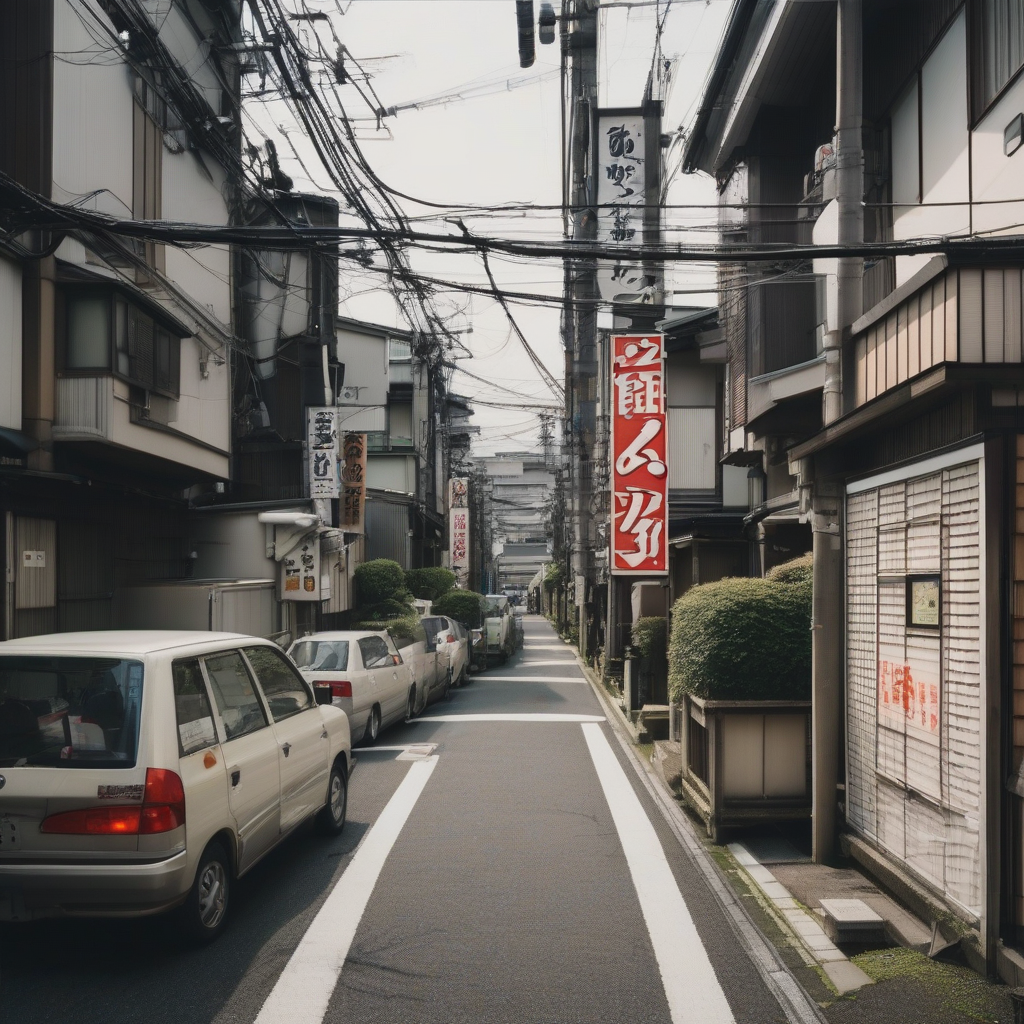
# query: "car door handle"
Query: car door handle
286,747
235,776
323,735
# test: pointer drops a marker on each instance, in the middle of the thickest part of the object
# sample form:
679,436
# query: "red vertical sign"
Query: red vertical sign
639,536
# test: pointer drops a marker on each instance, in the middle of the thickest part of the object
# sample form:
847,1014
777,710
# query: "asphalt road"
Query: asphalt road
515,872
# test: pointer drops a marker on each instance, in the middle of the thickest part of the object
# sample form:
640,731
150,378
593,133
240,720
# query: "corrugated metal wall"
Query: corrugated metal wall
917,793
387,531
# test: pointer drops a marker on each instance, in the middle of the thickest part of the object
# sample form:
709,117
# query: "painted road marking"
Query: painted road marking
691,987
303,991
545,647
511,718
534,679
557,661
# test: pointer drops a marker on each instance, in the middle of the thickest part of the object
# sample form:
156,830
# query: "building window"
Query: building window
106,333
400,424
88,345
998,46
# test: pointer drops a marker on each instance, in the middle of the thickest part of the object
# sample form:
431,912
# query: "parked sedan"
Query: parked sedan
452,643
366,675
142,771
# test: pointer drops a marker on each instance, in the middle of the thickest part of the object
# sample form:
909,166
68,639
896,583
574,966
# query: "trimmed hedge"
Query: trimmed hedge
382,611
797,570
402,628
743,639
462,605
649,636
431,583
379,580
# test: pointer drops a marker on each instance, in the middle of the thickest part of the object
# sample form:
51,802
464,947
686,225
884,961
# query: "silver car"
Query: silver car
367,677
143,771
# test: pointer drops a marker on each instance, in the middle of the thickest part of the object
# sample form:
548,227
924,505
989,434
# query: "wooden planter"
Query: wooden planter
746,761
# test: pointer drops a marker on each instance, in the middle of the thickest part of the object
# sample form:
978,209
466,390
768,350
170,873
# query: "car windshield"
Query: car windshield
495,605
69,712
321,655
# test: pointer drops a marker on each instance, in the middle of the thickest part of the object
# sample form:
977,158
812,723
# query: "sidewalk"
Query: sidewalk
866,961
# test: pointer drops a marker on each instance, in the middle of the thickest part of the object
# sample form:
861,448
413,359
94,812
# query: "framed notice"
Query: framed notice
924,602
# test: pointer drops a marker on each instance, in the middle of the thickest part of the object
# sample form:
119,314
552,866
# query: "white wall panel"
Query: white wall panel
929,815
92,116
691,449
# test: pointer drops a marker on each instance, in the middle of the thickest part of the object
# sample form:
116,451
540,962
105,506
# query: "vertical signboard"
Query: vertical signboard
458,529
620,139
300,570
639,533
322,446
353,483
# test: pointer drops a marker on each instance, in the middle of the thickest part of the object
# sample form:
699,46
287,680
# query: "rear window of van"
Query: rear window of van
69,712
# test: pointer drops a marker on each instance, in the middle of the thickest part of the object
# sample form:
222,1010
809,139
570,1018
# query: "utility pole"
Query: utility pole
826,522
579,319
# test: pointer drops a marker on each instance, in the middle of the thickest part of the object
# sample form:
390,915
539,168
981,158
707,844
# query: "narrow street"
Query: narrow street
484,876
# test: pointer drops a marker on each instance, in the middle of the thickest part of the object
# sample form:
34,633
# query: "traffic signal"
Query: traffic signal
524,19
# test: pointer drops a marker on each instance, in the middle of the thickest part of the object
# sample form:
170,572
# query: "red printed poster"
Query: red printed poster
639,536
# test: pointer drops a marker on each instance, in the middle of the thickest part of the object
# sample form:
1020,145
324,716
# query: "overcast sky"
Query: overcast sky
502,147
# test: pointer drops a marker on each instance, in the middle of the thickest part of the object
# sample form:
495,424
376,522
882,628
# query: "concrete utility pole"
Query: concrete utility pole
579,323
826,523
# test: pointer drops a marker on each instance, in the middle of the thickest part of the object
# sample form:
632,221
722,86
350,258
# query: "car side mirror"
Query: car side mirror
323,694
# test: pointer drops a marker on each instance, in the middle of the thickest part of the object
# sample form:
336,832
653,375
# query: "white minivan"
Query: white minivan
142,771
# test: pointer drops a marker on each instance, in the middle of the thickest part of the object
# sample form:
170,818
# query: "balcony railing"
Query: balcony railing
966,315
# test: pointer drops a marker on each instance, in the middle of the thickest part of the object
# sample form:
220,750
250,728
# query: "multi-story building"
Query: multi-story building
394,391
881,398
115,356
521,489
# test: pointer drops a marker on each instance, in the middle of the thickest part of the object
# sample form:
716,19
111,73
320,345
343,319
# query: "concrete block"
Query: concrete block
852,920
846,976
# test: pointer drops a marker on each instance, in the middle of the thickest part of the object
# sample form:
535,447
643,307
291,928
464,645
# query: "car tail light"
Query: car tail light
94,821
339,687
162,810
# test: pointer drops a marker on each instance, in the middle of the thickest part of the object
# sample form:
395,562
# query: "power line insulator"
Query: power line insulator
524,19
546,23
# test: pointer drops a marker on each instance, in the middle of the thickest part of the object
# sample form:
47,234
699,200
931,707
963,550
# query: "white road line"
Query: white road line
691,987
304,989
556,661
533,679
511,718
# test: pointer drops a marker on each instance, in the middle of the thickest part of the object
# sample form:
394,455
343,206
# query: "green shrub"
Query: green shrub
797,570
742,639
379,580
649,636
462,605
390,608
554,574
431,583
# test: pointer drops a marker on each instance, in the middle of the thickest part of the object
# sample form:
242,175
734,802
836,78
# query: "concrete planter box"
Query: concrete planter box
746,762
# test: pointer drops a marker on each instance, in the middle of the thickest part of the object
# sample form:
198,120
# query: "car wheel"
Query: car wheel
446,693
410,710
205,910
372,730
331,819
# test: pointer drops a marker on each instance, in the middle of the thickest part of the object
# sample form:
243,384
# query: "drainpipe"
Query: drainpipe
826,514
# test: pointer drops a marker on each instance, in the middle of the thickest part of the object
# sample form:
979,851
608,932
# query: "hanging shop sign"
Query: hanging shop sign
620,138
639,456
353,483
322,445
458,529
300,570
